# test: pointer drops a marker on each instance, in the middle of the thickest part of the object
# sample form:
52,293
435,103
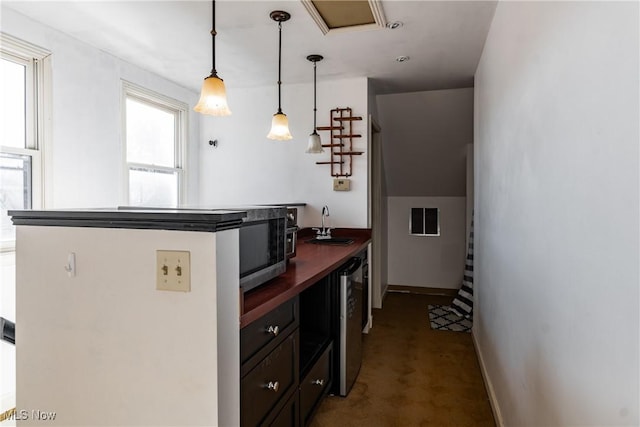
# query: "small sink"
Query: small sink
332,241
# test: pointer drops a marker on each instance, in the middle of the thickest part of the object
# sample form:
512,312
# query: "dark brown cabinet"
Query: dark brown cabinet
274,378
315,385
258,338
289,414
287,361
270,354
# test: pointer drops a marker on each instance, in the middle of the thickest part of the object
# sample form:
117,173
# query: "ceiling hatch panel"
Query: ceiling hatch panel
346,15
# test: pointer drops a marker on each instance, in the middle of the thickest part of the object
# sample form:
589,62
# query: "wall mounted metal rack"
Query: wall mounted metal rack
341,145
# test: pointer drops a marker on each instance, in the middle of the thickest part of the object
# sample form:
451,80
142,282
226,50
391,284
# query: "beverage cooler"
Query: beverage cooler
348,286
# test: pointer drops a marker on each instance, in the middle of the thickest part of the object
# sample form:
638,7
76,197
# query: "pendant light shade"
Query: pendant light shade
315,143
213,96
280,127
280,123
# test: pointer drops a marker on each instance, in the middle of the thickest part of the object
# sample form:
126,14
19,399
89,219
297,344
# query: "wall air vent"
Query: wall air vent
334,16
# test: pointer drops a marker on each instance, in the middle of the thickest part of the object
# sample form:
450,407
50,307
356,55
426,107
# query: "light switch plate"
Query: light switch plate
173,271
341,184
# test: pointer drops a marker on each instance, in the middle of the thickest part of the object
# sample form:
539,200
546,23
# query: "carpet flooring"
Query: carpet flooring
412,375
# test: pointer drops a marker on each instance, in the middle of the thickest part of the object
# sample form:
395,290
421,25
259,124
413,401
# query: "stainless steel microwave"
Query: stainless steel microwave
262,245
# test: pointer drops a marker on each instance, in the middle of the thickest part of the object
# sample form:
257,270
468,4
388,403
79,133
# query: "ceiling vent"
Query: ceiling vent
333,16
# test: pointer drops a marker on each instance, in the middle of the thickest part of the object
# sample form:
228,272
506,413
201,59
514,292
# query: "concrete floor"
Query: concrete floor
412,375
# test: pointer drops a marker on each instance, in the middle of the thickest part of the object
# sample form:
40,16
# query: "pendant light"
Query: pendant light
279,123
213,97
315,143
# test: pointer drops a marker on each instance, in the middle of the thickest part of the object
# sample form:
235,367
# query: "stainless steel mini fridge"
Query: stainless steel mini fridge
348,287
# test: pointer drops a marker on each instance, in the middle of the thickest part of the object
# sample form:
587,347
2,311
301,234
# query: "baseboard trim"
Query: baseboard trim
488,385
422,290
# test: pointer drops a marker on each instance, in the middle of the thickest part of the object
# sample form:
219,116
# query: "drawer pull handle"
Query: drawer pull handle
318,382
273,330
273,385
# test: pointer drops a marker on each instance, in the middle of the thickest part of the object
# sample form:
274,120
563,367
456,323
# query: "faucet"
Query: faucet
324,232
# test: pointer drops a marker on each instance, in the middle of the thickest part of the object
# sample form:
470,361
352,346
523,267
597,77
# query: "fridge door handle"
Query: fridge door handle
352,268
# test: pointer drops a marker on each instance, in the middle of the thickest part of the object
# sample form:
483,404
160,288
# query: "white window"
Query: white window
23,71
155,134
25,75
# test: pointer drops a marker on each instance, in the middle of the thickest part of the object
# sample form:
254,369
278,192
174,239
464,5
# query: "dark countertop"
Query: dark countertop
140,218
291,205
311,263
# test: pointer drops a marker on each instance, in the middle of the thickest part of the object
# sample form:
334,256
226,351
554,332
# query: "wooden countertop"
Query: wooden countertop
311,263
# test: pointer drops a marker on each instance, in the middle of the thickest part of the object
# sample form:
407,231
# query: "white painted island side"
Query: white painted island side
104,347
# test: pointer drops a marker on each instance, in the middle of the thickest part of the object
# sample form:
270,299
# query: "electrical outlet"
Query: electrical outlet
341,184
173,271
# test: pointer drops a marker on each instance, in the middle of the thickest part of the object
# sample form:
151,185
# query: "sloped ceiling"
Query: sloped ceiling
425,137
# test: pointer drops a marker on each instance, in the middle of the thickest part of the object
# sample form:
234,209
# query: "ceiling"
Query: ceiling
444,40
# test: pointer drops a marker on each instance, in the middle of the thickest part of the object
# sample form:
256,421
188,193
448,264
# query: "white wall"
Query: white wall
426,261
248,168
84,160
556,168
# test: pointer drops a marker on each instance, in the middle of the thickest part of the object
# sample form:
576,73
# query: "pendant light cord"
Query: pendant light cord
214,73
315,109
279,65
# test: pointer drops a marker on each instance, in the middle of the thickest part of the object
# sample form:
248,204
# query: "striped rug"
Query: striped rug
463,303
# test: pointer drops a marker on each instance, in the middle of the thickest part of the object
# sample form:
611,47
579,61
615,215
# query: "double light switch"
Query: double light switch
173,271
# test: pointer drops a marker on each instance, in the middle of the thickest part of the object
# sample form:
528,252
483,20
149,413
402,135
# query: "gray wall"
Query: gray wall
426,138
556,152
426,134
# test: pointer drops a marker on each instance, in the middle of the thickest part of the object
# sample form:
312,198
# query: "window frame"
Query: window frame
173,106
37,113
424,222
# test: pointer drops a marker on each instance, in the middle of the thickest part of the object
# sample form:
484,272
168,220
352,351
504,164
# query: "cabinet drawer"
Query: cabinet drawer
288,415
271,379
315,384
269,329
